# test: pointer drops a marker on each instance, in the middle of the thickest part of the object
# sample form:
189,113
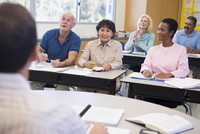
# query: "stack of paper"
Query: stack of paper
126,52
139,53
183,83
106,116
194,55
44,66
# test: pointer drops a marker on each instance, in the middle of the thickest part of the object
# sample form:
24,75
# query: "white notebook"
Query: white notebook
163,123
183,83
106,116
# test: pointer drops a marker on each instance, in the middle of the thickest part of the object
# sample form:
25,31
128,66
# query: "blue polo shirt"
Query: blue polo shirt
50,42
193,40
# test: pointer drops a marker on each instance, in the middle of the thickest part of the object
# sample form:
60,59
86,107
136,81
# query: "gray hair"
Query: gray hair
71,14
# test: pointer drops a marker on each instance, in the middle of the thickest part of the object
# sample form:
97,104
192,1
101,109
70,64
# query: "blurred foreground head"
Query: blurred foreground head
17,37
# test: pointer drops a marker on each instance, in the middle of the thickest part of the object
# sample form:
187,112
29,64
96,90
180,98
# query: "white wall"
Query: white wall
87,30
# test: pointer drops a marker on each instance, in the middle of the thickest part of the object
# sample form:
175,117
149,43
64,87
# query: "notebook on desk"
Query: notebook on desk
106,116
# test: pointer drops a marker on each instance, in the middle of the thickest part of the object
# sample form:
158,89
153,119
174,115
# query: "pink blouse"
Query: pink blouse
172,60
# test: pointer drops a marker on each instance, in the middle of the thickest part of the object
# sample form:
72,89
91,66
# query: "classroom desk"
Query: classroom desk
97,80
133,59
132,107
160,90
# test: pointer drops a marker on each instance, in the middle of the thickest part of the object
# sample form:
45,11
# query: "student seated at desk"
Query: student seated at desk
166,60
103,52
60,47
22,110
142,39
190,39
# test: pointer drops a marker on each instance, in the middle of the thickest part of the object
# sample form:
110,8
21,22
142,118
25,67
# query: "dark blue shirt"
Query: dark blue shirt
51,44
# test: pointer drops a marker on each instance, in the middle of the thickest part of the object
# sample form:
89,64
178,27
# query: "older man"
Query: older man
60,47
23,111
190,38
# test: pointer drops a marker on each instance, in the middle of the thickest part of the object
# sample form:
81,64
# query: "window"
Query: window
85,11
25,3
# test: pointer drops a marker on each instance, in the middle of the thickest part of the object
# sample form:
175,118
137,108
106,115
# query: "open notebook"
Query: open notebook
106,116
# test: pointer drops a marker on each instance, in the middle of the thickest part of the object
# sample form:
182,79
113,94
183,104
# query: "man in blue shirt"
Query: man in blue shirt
60,47
190,38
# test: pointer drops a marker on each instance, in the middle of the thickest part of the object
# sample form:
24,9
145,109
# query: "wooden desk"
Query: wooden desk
132,107
139,59
101,80
160,90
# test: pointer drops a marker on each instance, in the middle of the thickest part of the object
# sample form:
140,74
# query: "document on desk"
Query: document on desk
139,53
106,116
183,83
77,72
111,130
162,122
136,75
194,55
44,66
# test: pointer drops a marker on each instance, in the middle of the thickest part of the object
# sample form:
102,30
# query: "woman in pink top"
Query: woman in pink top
167,60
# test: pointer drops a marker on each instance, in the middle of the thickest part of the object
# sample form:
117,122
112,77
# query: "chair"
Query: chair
187,107
123,86
48,85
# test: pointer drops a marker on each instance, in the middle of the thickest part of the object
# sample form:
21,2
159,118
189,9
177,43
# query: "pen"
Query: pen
85,110
43,53
152,73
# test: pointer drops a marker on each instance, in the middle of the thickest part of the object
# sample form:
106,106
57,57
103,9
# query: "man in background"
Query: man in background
190,38
60,47
23,111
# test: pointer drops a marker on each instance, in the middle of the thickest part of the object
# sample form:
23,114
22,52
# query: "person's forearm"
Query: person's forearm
68,62
196,51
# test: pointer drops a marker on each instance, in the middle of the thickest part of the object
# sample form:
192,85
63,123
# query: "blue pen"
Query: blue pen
43,53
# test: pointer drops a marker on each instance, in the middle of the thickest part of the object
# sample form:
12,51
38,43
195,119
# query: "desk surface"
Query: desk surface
101,80
111,74
132,107
160,90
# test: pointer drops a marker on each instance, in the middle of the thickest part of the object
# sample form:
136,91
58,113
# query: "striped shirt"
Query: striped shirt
111,54
23,111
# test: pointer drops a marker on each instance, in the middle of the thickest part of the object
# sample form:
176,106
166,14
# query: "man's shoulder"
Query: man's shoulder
74,35
53,31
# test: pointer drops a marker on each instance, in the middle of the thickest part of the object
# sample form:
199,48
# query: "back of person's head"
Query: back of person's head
150,27
193,19
17,37
173,25
106,23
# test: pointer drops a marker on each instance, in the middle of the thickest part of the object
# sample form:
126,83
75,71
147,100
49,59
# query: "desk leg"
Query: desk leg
112,87
131,93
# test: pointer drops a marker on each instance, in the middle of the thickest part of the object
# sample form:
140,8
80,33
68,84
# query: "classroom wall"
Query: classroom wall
87,30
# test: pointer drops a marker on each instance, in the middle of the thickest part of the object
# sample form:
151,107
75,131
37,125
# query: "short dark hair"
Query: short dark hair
173,25
106,23
17,37
193,19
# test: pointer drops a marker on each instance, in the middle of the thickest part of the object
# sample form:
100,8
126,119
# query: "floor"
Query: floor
195,108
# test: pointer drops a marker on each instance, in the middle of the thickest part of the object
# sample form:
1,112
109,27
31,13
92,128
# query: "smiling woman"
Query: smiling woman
167,59
103,52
